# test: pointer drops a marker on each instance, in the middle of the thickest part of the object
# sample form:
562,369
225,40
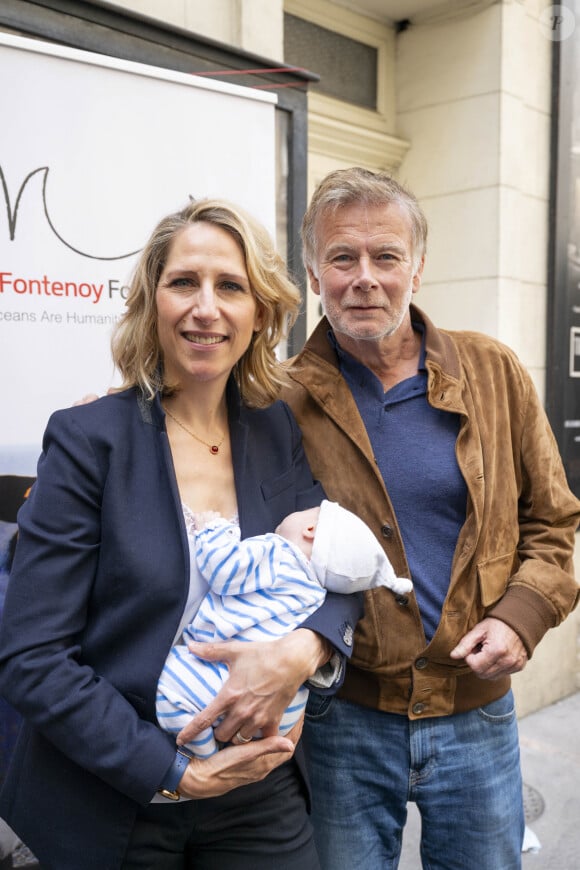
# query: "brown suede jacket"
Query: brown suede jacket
513,558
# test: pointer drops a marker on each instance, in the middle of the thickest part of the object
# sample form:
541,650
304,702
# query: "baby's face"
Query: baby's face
299,528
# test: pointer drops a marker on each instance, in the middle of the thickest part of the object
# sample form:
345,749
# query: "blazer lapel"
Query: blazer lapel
239,433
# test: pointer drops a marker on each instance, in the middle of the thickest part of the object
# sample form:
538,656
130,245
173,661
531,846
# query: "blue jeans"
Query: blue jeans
462,771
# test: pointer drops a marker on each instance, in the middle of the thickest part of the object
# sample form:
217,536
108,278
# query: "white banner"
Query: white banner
93,152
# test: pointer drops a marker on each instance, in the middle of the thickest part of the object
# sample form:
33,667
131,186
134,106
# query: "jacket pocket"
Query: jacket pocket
493,575
277,485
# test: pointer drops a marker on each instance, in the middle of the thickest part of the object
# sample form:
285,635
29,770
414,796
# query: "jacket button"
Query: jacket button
418,708
387,531
402,600
421,663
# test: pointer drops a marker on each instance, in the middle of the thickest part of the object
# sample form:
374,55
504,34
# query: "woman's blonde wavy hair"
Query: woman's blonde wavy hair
135,343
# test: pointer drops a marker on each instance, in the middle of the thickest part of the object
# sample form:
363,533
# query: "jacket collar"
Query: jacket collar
439,344
323,378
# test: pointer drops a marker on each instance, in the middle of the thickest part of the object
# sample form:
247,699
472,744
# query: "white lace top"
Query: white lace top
197,585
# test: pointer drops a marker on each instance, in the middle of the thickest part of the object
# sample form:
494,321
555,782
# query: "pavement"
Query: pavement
550,757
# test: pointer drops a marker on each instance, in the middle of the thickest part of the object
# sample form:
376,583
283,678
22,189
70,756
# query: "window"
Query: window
347,67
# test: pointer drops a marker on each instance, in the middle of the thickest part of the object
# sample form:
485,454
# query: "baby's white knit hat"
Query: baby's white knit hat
347,557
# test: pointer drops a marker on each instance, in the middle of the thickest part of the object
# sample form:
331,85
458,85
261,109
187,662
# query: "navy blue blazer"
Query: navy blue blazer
96,593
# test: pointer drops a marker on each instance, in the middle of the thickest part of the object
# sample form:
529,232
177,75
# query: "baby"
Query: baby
260,588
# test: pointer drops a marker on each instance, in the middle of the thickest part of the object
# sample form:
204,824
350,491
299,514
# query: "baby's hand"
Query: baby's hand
204,518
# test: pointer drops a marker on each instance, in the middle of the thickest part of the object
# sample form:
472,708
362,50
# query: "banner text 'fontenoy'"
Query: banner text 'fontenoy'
63,289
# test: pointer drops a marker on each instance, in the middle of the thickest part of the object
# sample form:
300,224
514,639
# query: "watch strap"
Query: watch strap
172,778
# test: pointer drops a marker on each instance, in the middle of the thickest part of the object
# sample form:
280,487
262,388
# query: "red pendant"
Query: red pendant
214,449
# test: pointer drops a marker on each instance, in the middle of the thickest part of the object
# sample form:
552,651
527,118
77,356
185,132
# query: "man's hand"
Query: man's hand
92,397
86,400
263,679
492,650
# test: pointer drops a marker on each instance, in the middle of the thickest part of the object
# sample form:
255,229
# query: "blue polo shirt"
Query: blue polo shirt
414,445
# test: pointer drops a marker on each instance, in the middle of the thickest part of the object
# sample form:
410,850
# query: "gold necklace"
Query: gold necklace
213,448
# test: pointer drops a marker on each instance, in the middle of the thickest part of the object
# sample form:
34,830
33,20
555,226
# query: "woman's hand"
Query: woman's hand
237,765
264,677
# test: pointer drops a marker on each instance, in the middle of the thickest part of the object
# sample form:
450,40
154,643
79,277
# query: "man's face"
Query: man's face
364,272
